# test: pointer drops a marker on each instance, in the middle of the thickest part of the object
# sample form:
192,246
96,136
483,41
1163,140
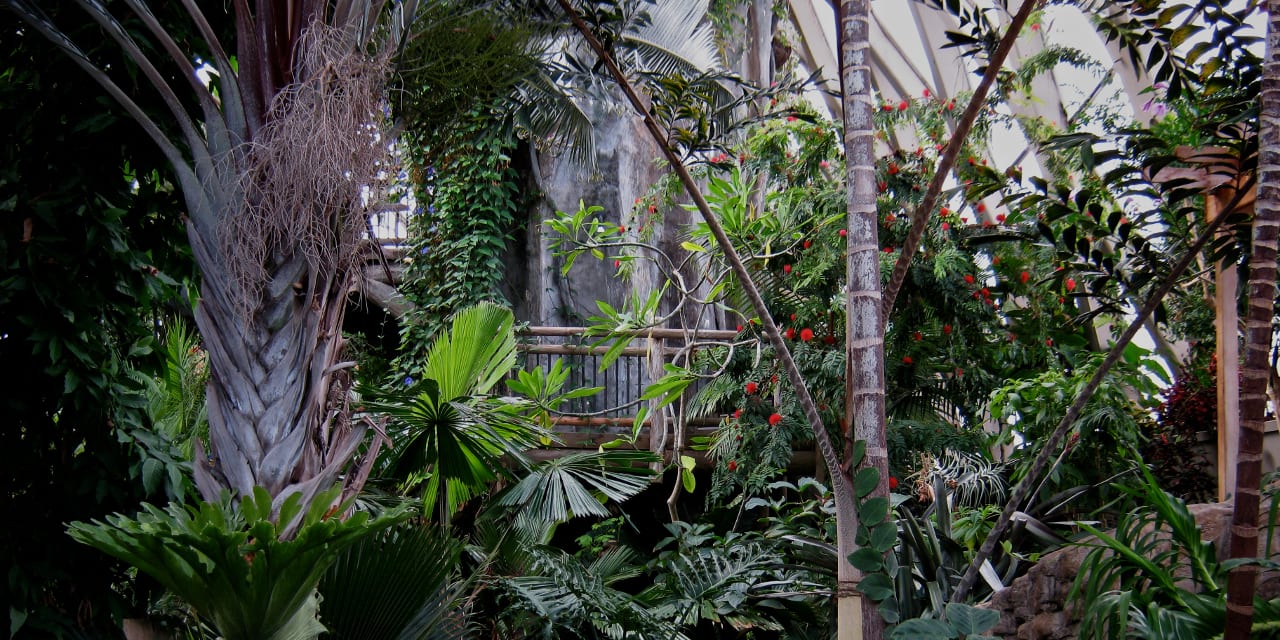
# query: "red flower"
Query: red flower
1013,337
1071,284
806,244
986,293
888,249
944,211
951,105
968,278
925,93
1035,27
773,379
946,328
902,106
981,207
622,229
653,208
786,268
917,336
737,413
893,168
946,226
959,372
752,387
893,483
887,107
791,333
774,419
1024,277
806,334
906,360
739,328
791,118
843,233
1000,217
882,186
824,164
733,465
617,264
793,317
1048,342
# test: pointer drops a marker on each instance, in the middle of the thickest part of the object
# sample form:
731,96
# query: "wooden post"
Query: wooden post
1228,356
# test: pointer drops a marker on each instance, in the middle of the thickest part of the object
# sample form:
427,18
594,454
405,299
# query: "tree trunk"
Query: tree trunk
1256,370
864,324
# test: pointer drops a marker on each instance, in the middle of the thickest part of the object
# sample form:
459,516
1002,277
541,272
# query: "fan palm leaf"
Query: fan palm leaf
574,485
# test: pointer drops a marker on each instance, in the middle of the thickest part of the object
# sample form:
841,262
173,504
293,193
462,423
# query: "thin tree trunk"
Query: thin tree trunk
1257,368
841,487
920,217
1023,489
864,323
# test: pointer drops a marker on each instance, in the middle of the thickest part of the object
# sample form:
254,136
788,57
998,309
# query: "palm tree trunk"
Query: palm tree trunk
1253,387
864,323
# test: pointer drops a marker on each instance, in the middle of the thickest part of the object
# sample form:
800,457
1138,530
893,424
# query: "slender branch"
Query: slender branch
920,218
840,485
1023,488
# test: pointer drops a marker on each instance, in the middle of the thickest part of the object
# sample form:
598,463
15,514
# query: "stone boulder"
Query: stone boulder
1035,606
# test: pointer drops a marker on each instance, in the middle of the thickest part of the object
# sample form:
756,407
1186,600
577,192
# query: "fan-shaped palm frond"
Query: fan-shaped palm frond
574,485
394,585
449,433
672,37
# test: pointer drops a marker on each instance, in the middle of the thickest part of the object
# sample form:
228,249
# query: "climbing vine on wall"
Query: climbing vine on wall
467,197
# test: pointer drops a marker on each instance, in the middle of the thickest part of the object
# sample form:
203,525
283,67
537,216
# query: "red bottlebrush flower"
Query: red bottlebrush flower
980,207
887,107
882,186
902,106
972,161
946,328
739,328
737,413
888,249
786,268
1048,342
791,118
893,169
1000,217
917,336
843,233
775,419
926,92
791,333
653,208
976,295
773,379
752,388
906,360
995,260
1124,220
893,483
806,334
951,105
937,147
639,200
824,164
944,211
986,293
1024,277
793,317
1061,299
773,102
968,278
733,465
1070,284
806,244
1035,27
622,229
617,264
889,217
946,226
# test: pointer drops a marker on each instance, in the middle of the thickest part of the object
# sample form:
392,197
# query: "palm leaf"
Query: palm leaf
394,585
475,353
573,485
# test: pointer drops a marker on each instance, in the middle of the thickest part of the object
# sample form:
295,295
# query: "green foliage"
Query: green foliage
92,254
468,196
450,434
578,484
229,561
1155,577
396,583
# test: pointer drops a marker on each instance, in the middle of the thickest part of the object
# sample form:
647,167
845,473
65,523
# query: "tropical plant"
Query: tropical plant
961,621
1156,578
231,561
397,583
275,208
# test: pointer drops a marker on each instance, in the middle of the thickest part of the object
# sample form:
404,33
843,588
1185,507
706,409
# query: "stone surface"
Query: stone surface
1035,606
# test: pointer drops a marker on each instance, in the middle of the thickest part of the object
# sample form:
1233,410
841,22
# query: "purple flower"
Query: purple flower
408,381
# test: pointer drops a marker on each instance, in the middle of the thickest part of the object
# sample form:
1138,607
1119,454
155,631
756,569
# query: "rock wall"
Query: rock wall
1035,606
